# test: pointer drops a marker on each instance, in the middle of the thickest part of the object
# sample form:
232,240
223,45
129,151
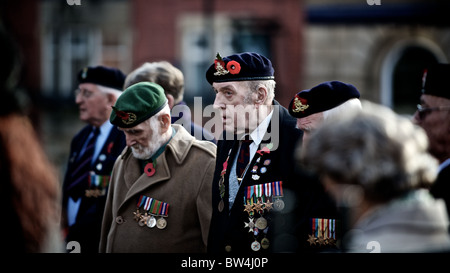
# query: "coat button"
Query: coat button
119,220
228,248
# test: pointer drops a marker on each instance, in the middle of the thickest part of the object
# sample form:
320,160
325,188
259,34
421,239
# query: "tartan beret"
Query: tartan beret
247,66
137,103
102,75
434,80
322,97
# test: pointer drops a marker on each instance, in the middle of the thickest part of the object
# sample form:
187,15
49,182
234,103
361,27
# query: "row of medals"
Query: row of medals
261,223
149,220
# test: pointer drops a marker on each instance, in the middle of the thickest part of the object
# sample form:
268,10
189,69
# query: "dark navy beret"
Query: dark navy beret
106,76
435,80
247,66
322,97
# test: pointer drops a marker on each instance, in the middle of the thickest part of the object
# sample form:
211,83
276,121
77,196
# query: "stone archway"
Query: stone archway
401,72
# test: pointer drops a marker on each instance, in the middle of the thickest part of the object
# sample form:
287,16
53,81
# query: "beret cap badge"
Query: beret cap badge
84,73
219,64
127,118
299,104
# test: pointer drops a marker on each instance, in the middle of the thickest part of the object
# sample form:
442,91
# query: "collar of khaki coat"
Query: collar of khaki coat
179,146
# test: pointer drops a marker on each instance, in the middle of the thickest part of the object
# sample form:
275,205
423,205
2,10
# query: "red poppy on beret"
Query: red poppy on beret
234,67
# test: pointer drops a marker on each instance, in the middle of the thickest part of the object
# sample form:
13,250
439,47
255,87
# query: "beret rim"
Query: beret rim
261,78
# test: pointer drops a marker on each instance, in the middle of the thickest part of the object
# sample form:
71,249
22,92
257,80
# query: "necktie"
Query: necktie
80,175
243,157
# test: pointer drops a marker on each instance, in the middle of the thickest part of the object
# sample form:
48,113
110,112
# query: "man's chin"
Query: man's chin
140,155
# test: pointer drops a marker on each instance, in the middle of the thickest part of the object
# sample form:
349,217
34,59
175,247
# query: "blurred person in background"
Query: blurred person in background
172,81
433,115
93,152
375,162
28,182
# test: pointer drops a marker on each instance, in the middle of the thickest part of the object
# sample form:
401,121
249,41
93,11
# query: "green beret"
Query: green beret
137,103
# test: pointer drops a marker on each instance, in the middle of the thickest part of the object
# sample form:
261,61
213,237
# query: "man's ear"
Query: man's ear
111,98
261,95
165,121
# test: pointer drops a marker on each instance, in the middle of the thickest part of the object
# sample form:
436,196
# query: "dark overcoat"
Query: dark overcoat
86,229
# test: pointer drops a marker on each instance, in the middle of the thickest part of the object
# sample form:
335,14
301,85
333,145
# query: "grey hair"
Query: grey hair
253,86
350,105
163,73
382,152
109,90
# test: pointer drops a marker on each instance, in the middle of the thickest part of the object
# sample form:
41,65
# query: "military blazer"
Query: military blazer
230,229
86,229
182,179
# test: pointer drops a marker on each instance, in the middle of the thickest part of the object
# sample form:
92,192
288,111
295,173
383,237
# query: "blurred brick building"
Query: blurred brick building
58,39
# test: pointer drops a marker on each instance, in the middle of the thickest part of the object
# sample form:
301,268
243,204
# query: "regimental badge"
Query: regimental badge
424,79
299,105
84,73
219,64
127,118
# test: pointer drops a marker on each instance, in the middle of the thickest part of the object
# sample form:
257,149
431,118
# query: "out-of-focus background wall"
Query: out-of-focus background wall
380,46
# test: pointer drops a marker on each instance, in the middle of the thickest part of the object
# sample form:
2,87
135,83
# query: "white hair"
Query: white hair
384,153
108,90
350,105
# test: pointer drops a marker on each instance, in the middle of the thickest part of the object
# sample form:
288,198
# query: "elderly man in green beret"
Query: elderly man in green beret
160,190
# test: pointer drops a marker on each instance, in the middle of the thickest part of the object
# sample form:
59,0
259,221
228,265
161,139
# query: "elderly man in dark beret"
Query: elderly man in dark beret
433,115
160,193
311,108
253,187
93,152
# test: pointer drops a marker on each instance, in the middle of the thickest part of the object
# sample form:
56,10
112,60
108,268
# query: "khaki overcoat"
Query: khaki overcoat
183,179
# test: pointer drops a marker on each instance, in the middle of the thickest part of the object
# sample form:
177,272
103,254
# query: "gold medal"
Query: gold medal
161,223
265,243
143,220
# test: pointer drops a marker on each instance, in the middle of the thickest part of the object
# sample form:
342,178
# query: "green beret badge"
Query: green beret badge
127,118
137,103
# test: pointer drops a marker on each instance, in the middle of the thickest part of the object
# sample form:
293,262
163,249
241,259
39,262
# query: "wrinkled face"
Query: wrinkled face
436,123
235,102
144,139
94,105
309,124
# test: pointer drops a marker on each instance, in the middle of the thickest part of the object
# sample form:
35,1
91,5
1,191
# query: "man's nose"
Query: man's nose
416,118
218,103
78,98
130,140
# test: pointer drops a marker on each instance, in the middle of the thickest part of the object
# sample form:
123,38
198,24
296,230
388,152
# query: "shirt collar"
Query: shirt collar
106,127
258,134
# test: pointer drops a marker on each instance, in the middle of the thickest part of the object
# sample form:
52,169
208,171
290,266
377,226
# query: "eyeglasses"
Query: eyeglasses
424,111
84,93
